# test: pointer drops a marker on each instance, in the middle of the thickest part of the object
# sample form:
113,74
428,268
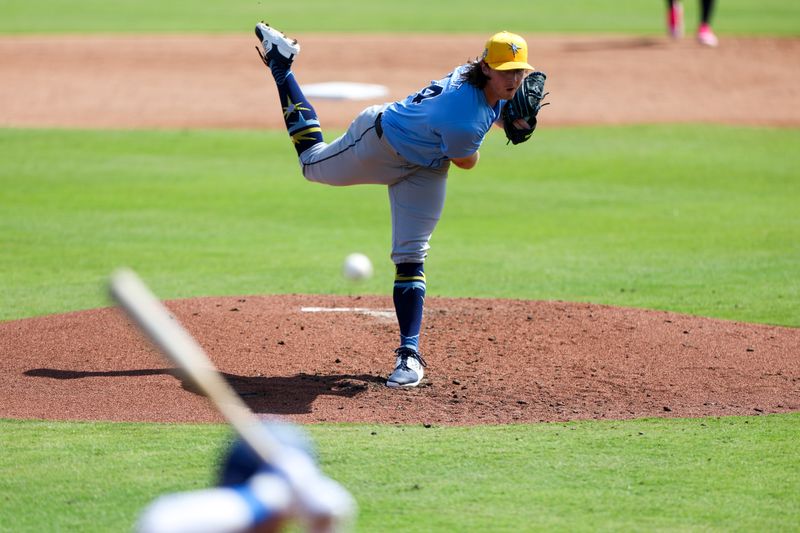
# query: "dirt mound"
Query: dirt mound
325,358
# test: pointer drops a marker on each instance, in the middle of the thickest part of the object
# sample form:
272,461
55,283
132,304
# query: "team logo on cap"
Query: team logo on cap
514,49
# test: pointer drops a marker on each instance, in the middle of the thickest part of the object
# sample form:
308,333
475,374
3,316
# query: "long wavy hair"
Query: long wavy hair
474,74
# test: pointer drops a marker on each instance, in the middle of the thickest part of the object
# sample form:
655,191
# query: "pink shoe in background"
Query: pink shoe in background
675,20
706,36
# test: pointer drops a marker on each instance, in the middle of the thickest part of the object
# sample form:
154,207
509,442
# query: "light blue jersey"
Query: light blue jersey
447,119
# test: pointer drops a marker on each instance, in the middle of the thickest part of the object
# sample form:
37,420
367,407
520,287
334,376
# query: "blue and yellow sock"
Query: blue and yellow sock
409,299
298,114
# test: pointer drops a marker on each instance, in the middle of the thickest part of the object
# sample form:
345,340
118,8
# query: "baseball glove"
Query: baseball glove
525,104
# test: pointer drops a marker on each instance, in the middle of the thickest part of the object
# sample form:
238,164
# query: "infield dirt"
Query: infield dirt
219,81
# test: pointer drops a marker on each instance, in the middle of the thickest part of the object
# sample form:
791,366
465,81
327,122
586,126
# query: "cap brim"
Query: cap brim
511,65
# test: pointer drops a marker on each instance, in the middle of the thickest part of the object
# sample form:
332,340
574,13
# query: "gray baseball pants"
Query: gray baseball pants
361,156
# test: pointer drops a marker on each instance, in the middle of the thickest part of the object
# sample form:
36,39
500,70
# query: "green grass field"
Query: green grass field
721,474
610,215
626,216
741,17
694,219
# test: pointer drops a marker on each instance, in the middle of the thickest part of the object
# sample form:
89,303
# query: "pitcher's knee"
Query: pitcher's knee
416,254
309,165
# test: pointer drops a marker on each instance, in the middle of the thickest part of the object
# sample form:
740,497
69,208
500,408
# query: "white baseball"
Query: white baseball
357,267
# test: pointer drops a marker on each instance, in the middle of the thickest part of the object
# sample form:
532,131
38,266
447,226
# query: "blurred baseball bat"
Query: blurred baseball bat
323,504
183,350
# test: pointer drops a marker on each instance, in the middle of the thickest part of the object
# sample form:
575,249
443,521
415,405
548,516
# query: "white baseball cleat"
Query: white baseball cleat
408,370
277,46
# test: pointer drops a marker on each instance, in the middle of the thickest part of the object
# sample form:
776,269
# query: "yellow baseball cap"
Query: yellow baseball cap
506,51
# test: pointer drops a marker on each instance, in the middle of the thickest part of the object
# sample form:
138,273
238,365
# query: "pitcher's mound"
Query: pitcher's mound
325,358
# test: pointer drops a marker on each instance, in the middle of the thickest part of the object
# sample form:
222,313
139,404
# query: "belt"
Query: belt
378,127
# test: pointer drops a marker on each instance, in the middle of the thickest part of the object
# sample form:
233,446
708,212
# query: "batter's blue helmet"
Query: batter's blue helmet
240,462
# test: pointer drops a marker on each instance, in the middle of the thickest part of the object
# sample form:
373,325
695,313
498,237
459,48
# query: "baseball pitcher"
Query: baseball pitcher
409,146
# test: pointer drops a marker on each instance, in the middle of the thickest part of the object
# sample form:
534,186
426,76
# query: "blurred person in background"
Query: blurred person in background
675,21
